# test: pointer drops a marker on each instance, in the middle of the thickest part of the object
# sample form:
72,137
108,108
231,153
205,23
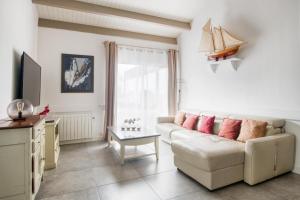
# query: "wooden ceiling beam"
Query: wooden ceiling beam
104,31
98,9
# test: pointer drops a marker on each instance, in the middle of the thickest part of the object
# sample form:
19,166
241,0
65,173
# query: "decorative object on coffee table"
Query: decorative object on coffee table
131,124
133,138
19,109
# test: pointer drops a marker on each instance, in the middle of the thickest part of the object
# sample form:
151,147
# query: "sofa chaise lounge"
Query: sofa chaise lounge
215,161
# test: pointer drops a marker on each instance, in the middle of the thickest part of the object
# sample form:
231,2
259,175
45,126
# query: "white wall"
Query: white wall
268,78
18,22
267,82
51,44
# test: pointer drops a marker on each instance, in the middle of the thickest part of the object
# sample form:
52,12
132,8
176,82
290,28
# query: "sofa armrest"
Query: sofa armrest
166,119
267,157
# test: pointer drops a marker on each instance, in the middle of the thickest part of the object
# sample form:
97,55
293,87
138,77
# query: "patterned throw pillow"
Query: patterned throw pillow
252,129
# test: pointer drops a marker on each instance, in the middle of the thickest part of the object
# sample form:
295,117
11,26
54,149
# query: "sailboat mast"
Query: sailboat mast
222,37
212,38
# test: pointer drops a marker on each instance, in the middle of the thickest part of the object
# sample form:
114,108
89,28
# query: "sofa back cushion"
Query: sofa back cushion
190,121
206,124
272,131
179,118
274,122
230,128
251,129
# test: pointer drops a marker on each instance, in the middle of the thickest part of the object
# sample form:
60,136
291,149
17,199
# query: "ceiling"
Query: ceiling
184,10
181,10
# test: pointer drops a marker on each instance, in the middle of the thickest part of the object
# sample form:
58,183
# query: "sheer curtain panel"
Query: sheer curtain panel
142,85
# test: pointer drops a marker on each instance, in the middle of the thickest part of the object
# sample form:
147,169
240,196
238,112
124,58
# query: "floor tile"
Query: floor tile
149,165
66,182
164,148
243,191
83,167
171,184
112,174
128,190
203,195
89,194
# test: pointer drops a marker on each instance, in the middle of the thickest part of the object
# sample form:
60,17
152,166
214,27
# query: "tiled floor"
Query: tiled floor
91,171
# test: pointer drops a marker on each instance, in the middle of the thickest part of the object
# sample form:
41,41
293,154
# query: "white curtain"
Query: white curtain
142,85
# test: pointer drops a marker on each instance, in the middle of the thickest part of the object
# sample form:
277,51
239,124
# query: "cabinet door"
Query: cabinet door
36,172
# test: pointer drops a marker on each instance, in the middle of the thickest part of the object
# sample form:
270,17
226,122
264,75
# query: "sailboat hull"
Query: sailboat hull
223,54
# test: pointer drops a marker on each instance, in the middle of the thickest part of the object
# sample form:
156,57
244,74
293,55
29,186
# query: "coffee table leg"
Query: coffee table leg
156,143
122,153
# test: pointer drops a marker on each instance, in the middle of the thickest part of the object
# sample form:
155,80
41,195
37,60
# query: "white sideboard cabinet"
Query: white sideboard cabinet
22,158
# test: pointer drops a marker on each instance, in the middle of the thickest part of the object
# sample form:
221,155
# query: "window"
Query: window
142,85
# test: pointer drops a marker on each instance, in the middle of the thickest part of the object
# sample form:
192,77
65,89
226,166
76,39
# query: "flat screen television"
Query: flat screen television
30,80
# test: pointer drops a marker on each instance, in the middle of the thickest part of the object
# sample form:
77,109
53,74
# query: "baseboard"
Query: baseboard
80,141
296,170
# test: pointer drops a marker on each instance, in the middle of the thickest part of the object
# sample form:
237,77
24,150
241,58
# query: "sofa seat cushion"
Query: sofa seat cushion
167,128
182,134
208,152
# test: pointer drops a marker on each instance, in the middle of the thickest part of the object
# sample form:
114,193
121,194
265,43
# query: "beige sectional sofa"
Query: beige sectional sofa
216,162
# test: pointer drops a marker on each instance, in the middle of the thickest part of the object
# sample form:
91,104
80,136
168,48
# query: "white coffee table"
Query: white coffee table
133,138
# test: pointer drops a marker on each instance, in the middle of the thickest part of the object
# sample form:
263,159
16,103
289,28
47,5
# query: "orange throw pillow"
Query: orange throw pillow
252,129
230,128
179,118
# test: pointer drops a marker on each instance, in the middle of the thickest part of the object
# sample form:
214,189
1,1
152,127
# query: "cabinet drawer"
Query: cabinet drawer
36,144
38,129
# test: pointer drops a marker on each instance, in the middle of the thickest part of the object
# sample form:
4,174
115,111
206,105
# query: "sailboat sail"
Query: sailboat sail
207,44
229,40
218,39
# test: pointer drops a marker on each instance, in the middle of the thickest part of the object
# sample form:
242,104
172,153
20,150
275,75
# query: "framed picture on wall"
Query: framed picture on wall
77,73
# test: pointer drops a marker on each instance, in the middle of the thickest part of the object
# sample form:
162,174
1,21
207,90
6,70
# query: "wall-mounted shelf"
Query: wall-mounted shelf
234,62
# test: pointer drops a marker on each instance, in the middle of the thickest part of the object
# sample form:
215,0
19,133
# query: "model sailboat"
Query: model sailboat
218,42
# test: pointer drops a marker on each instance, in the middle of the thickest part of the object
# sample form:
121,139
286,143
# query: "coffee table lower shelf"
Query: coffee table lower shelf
134,142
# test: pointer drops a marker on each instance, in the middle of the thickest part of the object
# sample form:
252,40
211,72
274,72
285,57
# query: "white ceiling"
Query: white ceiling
183,10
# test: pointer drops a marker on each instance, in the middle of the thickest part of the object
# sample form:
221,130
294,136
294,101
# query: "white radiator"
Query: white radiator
75,125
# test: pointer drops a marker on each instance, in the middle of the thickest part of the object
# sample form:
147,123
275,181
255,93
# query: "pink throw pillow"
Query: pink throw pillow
230,128
206,124
190,122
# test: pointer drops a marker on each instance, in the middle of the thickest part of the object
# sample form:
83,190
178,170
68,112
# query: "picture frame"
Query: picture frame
77,73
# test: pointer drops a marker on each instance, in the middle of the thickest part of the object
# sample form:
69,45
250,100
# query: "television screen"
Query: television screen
30,87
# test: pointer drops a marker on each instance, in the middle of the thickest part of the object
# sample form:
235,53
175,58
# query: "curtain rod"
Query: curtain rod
124,45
